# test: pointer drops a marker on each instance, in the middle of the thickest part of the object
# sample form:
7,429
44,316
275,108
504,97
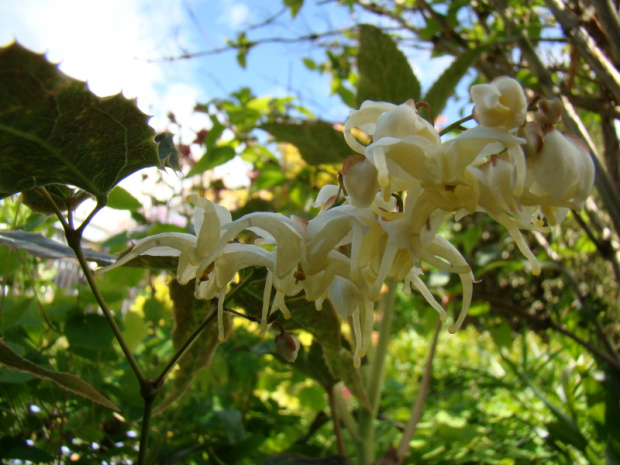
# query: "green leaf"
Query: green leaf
294,6
134,329
120,199
296,459
89,331
318,141
167,151
17,449
53,130
43,247
341,365
443,88
72,383
232,422
213,157
324,325
612,451
312,363
64,197
385,73
502,335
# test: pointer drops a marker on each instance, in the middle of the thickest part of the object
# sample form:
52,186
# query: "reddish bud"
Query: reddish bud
287,346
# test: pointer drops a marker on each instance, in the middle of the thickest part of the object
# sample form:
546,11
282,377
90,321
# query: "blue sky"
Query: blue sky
117,45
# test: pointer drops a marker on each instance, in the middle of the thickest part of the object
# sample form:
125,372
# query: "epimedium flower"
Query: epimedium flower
403,142
500,104
190,248
560,176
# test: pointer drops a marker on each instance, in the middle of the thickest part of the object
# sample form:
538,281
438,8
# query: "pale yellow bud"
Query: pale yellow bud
360,180
499,104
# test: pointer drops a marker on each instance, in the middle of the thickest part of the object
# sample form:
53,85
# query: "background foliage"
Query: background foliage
534,376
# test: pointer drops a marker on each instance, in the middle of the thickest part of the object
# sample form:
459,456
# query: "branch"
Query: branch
604,108
587,47
542,323
269,40
607,16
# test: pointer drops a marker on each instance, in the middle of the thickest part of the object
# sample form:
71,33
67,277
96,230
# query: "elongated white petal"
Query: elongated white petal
164,244
414,278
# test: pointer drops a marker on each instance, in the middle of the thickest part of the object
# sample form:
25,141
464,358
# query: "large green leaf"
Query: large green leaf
318,141
72,383
53,130
443,88
213,157
385,73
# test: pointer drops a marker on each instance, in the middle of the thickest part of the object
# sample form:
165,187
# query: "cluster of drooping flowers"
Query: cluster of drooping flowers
397,189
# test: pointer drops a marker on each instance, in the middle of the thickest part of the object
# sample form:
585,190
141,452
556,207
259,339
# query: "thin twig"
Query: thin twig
538,322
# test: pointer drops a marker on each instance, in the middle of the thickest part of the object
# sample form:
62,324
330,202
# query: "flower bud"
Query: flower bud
563,174
499,104
402,121
287,346
549,111
360,180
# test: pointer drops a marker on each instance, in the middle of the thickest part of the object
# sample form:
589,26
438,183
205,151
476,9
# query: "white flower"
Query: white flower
499,104
560,176
403,142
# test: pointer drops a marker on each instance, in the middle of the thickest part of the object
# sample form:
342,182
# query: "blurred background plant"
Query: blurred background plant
533,376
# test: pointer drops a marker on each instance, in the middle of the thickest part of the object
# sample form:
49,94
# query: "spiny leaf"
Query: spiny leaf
67,381
385,73
64,197
443,88
53,130
318,142
167,151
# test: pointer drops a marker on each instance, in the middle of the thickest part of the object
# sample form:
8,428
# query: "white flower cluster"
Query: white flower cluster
517,172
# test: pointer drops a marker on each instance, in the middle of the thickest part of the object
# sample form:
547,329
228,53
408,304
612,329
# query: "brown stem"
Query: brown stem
335,420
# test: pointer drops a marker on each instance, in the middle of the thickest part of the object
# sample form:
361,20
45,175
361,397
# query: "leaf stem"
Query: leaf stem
456,125
374,379
159,381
